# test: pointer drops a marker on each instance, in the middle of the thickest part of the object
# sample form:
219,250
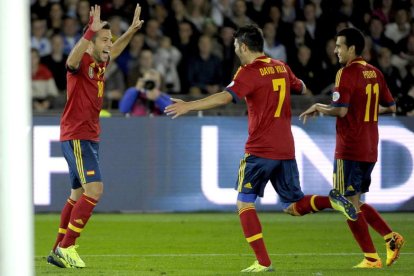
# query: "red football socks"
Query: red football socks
64,220
375,220
361,234
312,204
80,215
253,232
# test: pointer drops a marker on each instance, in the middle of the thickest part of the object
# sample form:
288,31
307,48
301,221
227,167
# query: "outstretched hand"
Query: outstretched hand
311,111
137,22
178,108
95,23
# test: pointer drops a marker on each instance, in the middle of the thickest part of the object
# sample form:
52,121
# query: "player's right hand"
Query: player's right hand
95,23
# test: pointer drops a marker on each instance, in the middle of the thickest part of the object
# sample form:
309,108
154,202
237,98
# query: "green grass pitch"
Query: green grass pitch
213,244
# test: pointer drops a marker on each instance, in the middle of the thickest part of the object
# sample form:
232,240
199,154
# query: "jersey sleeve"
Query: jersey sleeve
342,92
241,85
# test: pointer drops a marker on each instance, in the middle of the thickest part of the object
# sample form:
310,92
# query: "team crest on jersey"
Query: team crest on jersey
335,96
90,71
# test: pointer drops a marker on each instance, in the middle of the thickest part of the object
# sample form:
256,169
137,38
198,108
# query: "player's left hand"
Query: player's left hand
178,108
311,111
136,22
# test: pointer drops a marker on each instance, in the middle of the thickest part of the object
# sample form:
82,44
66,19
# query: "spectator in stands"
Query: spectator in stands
282,28
330,67
400,28
391,74
221,9
188,47
383,10
168,57
56,62
289,13
376,32
39,39
153,34
71,34
272,47
145,98
118,26
239,18
145,63
129,57
82,9
307,70
257,11
229,61
210,29
299,38
44,89
114,85
177,16
40,9
197,12
204,70
405,103
55,19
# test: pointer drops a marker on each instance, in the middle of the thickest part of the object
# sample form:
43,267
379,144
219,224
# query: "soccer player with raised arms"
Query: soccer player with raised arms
360,94
79,129
266,85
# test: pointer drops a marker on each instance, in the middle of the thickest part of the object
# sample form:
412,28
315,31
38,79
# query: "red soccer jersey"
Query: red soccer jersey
266,84
85,88
360,87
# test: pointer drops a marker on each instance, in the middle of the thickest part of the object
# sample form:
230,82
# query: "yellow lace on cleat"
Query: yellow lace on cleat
368,264
256,267
343,205
71,256
393,247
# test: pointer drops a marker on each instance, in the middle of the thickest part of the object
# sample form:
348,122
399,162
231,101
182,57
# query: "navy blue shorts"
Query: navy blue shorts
83,161
255,172
351,177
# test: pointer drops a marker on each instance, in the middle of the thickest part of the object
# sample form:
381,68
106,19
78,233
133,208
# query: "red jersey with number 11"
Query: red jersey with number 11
360,87
85,88
266,84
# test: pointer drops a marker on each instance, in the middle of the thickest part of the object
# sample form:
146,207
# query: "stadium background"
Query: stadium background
155,164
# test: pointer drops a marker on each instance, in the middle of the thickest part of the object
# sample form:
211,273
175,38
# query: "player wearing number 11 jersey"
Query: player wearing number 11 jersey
360,94
266,85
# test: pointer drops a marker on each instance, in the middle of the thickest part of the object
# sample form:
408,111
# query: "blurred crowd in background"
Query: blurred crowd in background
190,44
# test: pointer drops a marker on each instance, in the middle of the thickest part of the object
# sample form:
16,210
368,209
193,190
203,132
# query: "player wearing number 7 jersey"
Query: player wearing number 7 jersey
360,94
266,85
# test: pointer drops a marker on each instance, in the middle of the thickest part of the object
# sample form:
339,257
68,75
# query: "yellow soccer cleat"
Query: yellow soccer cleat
54,259
256,267
71,256
368,264
343,205
393,247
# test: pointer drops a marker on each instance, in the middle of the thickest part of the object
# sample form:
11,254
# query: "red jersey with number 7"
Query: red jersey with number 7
85,89
266,84
360,87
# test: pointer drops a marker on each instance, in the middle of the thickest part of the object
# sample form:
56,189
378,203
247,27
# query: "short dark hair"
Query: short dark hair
252,36
107,26
353,37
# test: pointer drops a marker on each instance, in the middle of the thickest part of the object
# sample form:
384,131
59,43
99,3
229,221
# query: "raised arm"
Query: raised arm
81,46
124,39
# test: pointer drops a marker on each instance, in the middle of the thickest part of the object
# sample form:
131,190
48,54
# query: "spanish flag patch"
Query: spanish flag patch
90,173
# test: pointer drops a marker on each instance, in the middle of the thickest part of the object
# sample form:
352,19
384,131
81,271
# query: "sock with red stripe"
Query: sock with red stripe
64,220
311,204
375,220
253,232
80,215
361,234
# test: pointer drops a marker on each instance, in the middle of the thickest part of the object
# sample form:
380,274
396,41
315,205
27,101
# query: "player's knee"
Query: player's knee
94,190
